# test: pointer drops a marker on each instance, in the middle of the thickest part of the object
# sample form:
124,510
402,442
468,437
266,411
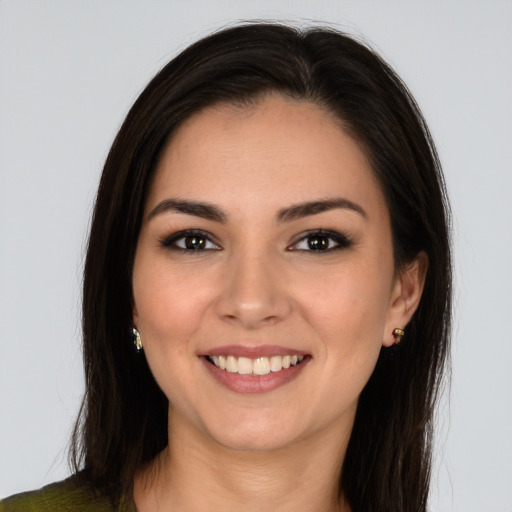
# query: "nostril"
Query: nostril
253,303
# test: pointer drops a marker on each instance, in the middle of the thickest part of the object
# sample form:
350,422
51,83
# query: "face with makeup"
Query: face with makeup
264,283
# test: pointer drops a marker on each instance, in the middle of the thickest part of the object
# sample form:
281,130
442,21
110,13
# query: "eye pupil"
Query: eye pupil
318,242
194,242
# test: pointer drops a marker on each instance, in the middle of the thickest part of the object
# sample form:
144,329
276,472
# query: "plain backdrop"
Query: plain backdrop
69,70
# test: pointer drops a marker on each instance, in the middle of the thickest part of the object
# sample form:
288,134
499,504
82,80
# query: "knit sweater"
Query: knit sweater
65,496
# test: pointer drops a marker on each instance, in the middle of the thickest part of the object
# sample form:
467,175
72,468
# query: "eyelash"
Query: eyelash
170,242
340,240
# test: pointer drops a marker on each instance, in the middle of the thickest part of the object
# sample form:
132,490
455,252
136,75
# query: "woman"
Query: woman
266,304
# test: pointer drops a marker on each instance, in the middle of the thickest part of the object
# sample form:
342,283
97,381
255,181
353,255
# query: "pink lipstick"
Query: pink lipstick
258,369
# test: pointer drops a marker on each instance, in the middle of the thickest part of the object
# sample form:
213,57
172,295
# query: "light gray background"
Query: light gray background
69,72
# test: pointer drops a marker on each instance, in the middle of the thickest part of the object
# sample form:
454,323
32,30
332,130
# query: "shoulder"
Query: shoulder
68,495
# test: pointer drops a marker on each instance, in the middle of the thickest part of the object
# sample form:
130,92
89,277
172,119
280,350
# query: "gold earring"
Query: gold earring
398,333
137,341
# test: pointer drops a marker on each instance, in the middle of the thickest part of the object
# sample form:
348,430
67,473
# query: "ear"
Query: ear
405,296
135,315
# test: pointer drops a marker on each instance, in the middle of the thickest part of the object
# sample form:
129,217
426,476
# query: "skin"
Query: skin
258,283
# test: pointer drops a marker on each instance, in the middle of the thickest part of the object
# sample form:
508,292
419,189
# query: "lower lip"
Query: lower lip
255,383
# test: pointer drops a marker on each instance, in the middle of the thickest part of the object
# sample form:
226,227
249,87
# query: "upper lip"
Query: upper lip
252,352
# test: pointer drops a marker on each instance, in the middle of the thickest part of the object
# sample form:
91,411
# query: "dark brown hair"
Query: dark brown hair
123,420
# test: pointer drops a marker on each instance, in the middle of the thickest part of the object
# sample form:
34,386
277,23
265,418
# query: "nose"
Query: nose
254,294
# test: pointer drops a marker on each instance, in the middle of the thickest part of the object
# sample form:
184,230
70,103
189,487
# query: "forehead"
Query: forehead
276,151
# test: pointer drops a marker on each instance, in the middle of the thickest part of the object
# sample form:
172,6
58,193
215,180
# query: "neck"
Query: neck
196,473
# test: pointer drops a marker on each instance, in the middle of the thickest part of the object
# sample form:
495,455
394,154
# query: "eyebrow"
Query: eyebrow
210,212
203,210
299,211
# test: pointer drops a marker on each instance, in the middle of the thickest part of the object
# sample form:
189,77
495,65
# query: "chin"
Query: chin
259,443
257,435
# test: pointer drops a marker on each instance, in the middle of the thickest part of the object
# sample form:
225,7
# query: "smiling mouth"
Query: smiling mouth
257,366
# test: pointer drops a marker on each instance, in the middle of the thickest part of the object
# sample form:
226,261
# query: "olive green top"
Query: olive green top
65,496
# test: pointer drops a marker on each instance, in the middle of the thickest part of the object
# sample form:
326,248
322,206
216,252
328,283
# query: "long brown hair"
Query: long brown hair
123,420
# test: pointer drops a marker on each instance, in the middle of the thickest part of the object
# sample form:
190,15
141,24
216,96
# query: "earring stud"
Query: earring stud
398,333
136,340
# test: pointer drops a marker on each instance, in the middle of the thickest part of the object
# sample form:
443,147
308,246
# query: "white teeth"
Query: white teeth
259,366
276,363
231,364
244,366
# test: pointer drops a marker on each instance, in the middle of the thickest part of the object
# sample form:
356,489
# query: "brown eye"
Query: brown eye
321,241
190,241
318,242
195,242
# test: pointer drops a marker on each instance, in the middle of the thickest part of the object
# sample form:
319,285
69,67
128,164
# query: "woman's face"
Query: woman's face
265,242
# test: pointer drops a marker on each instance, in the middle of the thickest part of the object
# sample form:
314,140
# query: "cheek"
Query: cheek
349,322
348,306
347,315
169,308
169,300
